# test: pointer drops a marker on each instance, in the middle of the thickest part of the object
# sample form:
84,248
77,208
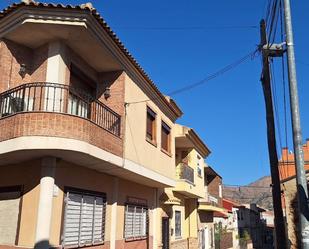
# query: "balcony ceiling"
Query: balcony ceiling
77,37
183,142
82,154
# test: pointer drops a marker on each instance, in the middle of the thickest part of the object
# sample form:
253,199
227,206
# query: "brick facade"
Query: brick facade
59,125
213,189
12,55
226,240
135,244
179,244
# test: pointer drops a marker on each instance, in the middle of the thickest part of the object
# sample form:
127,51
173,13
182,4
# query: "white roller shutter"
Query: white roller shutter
84,219
135,222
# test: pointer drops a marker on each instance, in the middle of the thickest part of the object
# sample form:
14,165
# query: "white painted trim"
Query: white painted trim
67,144
155,219
114,213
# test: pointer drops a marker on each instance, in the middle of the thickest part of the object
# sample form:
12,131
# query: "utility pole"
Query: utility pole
267,52
301,180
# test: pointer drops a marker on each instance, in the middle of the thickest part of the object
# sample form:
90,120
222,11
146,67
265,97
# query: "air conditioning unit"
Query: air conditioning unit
10,105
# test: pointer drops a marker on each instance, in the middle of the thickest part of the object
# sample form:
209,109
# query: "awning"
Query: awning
210,208
168,198
221,214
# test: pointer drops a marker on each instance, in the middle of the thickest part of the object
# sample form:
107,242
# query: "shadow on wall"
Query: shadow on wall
44,244
294,212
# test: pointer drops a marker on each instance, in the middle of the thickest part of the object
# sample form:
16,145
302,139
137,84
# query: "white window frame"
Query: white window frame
84,194
130,223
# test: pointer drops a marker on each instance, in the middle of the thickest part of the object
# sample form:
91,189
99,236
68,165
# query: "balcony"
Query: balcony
57,110
185,172
185,181
58,98
211,203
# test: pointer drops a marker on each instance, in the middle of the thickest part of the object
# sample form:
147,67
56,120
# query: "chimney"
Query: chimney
285,153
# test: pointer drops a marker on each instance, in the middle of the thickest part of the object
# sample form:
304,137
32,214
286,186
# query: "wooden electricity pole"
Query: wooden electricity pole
271,137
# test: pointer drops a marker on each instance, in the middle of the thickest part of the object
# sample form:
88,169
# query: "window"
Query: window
135,222
82,90
199,170
177,224
165,137
151,125
84,220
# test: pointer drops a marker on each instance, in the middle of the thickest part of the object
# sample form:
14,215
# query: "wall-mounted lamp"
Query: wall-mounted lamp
107,93
22,70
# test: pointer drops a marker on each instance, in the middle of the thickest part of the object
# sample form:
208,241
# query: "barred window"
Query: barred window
84,221
135,222
177,224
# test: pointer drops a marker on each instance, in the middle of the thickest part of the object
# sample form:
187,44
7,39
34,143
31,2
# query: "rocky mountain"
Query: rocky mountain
258,192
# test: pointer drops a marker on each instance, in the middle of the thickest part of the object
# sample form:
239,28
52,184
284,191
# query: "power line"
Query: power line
187,28
212,76
245,186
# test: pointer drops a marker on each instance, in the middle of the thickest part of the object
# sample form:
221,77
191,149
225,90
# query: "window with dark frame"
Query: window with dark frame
84,90
177,224
151,125
165,137
84,219
135,226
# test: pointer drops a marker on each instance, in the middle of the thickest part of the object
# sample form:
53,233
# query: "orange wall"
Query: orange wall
287,165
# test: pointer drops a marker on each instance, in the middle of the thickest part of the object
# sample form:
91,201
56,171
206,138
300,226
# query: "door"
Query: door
9,214
206,238
165,233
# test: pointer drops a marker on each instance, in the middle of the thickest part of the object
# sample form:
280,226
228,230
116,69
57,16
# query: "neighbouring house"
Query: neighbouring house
252,223
87,140
227,224
210,203
180,203
289,191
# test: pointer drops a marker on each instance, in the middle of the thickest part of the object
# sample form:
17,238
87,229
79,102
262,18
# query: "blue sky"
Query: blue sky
228,112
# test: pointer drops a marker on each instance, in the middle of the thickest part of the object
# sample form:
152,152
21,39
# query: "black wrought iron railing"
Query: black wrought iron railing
185,172
59,98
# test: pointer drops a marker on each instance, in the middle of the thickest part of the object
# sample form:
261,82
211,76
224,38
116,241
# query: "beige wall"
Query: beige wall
28,176
69,175
137,149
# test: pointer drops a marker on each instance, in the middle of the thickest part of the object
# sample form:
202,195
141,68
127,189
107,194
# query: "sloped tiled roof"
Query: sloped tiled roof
88,7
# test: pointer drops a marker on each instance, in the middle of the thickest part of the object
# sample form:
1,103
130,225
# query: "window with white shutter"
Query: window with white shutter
84,219
136,219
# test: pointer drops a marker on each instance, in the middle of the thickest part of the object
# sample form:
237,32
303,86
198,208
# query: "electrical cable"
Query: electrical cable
285,162
212,76
186,28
